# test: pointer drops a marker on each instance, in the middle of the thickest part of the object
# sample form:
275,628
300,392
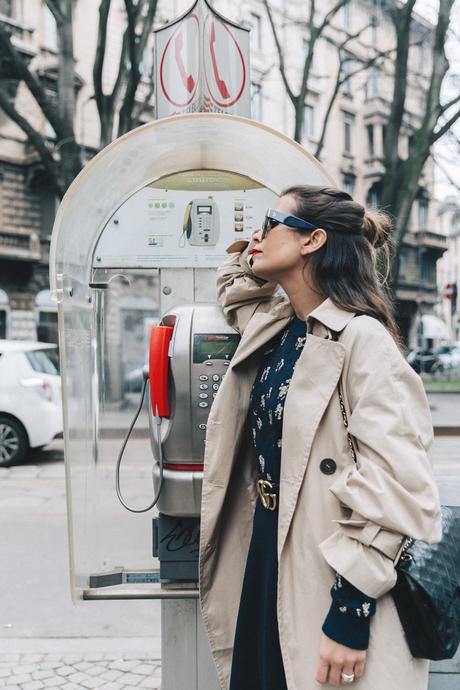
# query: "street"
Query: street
48,642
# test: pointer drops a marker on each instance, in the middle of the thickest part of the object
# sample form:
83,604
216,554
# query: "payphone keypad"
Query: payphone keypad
211,357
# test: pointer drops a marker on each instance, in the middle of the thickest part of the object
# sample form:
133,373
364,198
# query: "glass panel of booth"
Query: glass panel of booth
104,345
185,221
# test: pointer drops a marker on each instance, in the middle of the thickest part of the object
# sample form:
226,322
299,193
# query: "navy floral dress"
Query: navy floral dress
257,663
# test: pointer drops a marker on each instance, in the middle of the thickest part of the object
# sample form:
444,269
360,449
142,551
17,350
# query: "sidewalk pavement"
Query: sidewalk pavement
445,411
79,664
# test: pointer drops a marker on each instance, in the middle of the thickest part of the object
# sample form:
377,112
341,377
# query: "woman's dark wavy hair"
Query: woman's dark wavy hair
344,268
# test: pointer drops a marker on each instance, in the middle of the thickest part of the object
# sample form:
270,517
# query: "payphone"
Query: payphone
189,353
104,272
201,223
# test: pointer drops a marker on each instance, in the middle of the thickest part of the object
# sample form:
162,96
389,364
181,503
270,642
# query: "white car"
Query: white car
30,398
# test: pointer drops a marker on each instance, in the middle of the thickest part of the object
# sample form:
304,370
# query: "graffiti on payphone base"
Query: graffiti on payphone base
183,533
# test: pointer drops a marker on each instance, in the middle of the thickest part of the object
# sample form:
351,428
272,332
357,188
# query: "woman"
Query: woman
299,536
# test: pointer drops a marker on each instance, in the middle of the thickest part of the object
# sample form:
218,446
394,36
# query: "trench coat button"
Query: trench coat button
328,466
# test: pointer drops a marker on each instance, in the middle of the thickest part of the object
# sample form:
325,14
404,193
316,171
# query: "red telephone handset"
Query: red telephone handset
160,337
221,85
187,79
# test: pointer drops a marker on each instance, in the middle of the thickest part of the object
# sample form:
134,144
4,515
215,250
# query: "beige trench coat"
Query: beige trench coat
353,521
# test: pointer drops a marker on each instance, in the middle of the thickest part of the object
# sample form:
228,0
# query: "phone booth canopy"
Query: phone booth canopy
143,228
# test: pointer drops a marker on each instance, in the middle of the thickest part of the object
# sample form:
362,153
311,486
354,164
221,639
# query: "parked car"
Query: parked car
449,355
424,360
30,398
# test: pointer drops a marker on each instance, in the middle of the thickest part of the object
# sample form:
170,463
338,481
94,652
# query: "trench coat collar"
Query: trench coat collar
266,325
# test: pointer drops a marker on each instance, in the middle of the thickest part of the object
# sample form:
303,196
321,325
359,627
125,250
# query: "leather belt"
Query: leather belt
268,492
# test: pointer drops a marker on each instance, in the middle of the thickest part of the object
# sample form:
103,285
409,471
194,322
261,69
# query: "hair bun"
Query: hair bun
376,228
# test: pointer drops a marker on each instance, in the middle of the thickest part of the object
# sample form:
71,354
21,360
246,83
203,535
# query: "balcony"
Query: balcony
426,240
24,246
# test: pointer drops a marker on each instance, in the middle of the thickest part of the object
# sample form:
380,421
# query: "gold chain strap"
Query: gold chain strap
345,422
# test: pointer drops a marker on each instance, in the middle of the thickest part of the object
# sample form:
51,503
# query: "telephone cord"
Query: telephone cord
122,450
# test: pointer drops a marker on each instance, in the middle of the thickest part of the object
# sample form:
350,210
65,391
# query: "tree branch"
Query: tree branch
445,127
282,68
22,71
34,137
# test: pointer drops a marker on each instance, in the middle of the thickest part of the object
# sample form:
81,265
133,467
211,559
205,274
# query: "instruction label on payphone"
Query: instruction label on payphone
184,220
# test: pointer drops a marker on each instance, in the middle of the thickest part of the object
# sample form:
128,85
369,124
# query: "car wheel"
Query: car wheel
13,442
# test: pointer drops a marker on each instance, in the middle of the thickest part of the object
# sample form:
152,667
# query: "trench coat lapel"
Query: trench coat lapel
309,393
263,328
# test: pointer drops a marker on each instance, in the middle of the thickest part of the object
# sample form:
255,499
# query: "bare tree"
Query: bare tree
121,100
315,30
62,159
401,176
400,181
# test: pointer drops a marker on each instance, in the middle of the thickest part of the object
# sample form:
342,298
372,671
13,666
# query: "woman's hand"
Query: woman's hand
335,658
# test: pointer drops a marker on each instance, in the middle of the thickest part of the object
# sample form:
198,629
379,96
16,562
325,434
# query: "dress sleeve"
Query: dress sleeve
390,492
348,619
240,292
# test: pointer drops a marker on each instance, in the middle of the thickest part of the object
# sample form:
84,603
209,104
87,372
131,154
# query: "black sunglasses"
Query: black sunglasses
274,218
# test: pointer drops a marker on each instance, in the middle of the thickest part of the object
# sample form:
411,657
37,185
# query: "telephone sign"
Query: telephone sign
224,64
202,64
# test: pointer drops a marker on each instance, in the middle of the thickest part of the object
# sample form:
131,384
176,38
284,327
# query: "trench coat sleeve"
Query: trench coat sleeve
390,490
240,292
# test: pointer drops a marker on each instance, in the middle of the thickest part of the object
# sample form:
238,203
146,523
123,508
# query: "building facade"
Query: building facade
449,265
353,142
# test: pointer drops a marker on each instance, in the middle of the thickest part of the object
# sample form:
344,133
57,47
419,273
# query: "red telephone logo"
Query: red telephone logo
187,80
221,85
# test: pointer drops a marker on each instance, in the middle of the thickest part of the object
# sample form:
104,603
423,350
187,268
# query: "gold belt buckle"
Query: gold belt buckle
268,500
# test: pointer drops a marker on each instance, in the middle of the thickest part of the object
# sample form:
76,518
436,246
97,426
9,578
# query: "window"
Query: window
2,323
6,7
50,30
403,264
256,101
428,269
346,15
374,196
422,213
372,84
370,139
349,183
374,25
254,23
348,120
40,362
346,72
308,121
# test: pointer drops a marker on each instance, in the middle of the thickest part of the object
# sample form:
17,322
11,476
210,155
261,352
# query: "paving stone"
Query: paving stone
93,656
82,665
132,679
12,687
32,685
41,675
65,670
96,669
19,678
77,677
5,672
110,675
150,682
144,669
111,686
69,686
50,664
91,683
52,682
123,665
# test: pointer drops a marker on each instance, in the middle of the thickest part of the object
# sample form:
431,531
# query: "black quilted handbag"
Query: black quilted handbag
427,591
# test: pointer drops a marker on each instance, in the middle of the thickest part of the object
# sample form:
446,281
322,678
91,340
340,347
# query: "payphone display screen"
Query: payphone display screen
214,346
